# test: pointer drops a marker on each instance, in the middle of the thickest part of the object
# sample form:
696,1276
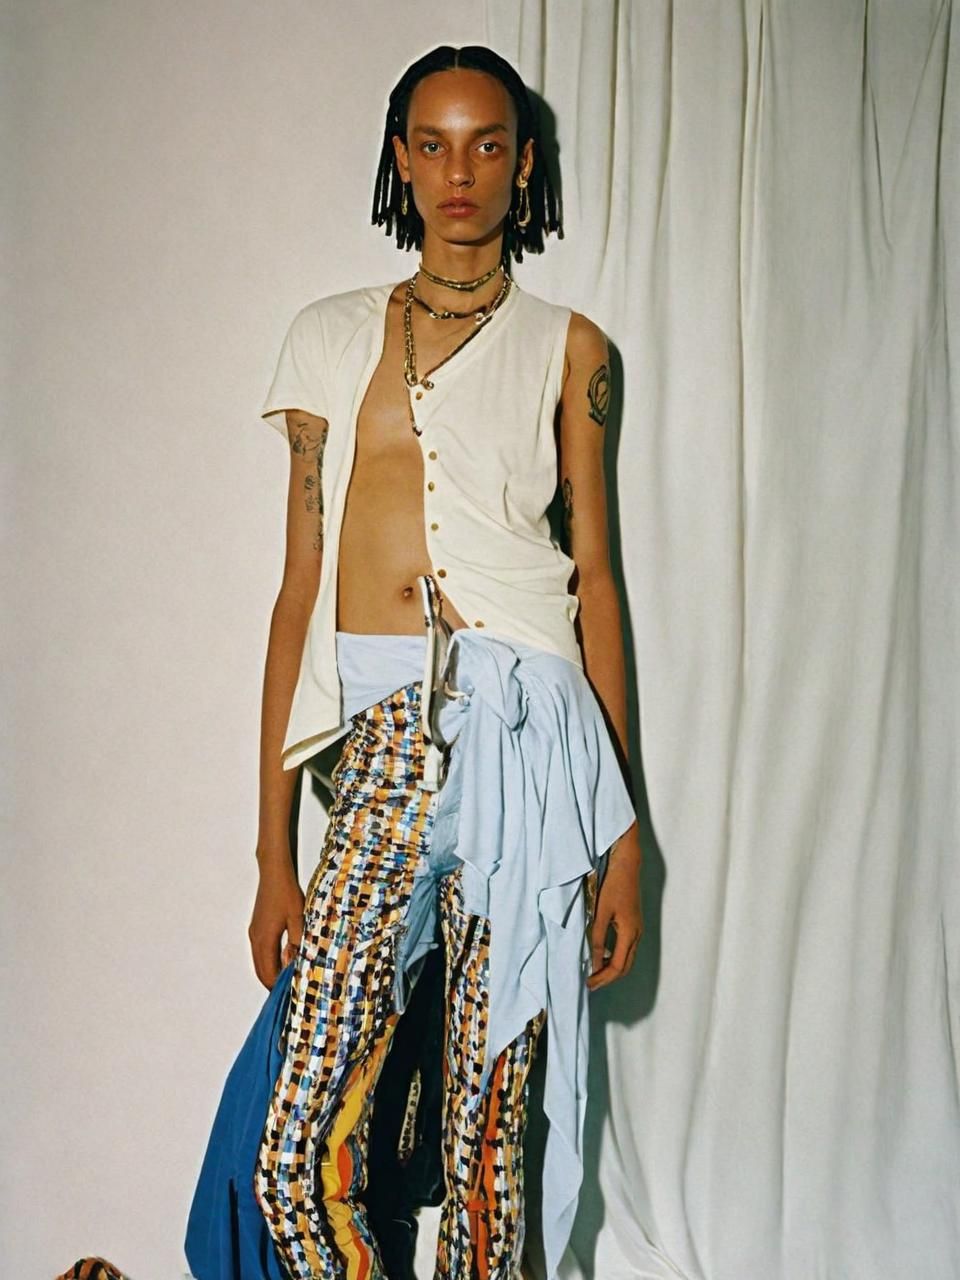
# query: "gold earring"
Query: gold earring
403,202
523,217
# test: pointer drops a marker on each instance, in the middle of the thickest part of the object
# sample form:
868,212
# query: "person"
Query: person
420,419
470,669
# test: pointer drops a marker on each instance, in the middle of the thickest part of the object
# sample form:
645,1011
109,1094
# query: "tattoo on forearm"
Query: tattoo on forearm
305,443
313,499
303,440
567,492
598,394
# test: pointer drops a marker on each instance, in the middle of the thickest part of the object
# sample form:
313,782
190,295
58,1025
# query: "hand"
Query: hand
278,909
618,904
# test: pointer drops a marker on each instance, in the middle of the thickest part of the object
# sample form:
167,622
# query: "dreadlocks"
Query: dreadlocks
388,193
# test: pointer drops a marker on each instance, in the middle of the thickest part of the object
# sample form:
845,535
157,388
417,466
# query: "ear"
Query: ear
526,159
403,160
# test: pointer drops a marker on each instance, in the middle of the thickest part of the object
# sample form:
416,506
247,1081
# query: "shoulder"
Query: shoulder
587,351
540,309
585,339
330,323
346,310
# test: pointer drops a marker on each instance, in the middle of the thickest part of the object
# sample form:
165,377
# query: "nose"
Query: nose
459,170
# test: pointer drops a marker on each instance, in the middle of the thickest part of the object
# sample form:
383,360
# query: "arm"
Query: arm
583,413
279,902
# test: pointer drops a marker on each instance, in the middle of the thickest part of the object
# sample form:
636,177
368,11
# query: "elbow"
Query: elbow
595,582
296,598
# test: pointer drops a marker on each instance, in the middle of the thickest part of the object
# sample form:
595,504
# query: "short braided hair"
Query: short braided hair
388,193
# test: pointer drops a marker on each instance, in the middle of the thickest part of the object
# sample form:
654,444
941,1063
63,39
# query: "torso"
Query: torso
383,547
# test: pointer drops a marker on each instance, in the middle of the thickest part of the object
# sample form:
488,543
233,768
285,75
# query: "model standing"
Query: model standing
420,420
478,794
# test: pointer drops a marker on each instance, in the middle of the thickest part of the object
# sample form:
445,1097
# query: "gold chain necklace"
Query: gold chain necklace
411,377
476,315
466,285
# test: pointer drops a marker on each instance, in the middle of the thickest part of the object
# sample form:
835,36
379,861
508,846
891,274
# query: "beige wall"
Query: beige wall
185,176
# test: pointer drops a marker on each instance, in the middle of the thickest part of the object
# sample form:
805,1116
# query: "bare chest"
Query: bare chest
385,422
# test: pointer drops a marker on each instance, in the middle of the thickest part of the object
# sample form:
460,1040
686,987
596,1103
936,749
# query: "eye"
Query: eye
494,145
425,145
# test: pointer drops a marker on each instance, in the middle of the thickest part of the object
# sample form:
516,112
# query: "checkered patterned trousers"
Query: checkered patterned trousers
311,1169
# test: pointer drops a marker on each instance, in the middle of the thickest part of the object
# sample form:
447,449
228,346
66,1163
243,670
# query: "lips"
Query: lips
459,208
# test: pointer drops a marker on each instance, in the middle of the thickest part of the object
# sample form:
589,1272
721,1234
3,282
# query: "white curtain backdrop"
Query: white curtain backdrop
762,210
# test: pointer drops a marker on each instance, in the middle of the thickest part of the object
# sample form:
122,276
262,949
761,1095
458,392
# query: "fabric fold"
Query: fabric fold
227,1237
533,799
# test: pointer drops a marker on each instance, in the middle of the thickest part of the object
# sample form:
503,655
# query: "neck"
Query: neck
459,262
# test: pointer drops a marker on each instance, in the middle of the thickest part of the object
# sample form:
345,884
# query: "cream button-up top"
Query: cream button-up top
490,473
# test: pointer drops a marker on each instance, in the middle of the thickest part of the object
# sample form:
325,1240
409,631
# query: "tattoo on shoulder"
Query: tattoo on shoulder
598,394
566,490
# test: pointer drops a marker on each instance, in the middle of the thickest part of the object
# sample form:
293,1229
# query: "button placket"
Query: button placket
431,456
416,392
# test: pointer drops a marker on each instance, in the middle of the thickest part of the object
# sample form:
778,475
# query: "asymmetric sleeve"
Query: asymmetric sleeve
300,377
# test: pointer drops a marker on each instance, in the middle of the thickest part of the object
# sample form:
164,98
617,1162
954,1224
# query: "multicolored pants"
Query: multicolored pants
311,1169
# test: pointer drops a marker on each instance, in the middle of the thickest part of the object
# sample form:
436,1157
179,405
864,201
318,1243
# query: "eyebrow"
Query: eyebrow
434,132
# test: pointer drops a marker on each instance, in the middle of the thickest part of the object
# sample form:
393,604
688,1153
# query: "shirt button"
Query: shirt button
419,395
478,623
441,573
434,525
432,454
431,486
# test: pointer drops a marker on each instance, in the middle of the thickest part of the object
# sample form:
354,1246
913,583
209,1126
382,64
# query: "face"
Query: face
460,154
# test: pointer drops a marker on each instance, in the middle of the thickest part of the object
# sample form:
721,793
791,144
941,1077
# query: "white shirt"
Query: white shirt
490,472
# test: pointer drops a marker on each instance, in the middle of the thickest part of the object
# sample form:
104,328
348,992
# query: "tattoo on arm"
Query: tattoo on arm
305,443
598,394
567,492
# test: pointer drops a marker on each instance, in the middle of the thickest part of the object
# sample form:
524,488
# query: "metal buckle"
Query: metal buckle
440,663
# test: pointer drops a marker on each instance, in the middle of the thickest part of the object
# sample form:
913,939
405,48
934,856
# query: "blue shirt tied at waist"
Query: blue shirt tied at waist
532,801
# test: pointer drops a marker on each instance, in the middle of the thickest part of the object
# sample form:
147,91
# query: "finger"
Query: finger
603,979
294,929
266,963
618,964
631,956
598,938
601,976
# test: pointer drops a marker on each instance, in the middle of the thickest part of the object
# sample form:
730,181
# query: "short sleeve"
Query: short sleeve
299,380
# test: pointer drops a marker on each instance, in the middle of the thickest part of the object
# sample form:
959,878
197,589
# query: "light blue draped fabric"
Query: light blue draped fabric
533,800
371,667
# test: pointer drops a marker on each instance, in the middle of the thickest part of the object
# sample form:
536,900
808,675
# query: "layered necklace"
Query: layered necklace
481,316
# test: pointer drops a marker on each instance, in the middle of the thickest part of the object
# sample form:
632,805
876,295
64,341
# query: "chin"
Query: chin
460,234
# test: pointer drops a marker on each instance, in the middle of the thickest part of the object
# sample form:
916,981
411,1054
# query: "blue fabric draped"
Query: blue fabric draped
227,1236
